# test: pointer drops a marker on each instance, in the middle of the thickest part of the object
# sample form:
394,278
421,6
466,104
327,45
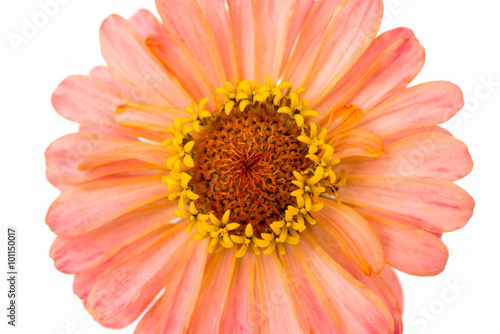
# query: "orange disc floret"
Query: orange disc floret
245,163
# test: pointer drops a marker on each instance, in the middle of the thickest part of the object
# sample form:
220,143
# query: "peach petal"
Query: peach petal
309,40
64,156
107,131
60,185
86,207
148,117
401,220
423,105
187,23
358,238
256,293
301,313
239,315
409,248
341,119
383,289
242,20
300,14
272,22
358,309
376,283
82,252
422,155
147,324
171,55
181,293
119,287
356,142
84,281
92,103
150,290
218,18
391,139
130,174
433,204
345,40
88,101
358,70
129,59
321,314
153,154
277,313
392,71
389,275
128,93
214,293
146,23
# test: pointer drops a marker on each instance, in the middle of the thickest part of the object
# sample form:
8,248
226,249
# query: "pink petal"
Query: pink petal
383,289
301,314
148,117
145,23
92,103
107,131
218,18
84,281
86,100
60,185
180,297
277,313
391,139
66,154
75,254
186,21
300,14
129,59
211,301
86,207
309,40
272,21
239,315
392,279
376,283
434,204
427,104
356,73
359,240
409,248
321,314
119,287
346,39
128,93
150,290
438,235
155,155
356,142
171,55
243,34
423,155
357,309
393,71
147,325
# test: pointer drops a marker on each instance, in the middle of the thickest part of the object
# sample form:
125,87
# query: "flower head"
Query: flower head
264,160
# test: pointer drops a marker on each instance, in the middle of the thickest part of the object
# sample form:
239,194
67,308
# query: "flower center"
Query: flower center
244,162
249,174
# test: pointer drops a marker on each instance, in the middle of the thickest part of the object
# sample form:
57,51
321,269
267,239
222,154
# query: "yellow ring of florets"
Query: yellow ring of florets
310,183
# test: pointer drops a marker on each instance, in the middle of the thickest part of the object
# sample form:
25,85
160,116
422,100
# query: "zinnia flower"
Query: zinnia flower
254,167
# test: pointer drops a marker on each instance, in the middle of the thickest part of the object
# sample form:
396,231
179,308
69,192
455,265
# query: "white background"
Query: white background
462,41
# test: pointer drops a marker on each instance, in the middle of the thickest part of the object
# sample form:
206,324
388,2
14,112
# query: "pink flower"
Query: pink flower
276,202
